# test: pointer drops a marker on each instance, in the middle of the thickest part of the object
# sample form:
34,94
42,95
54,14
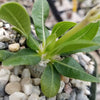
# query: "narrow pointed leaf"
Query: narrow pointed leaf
23,57
16,15
88,49
32,43
87,33
50,81
61,27
50,42
72,62
40,12
72,45
73,72
5,54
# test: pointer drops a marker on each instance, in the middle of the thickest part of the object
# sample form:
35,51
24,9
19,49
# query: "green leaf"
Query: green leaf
87,33
73,72
23,57
50,42
61,27
71,46
16,15
32,43
40,12
5,54
72,62
50,81
88,49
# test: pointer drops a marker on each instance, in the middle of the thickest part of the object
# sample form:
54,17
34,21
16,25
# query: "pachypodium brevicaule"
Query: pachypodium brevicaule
46,49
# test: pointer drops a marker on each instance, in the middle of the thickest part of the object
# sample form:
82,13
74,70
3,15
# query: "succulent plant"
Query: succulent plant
47,49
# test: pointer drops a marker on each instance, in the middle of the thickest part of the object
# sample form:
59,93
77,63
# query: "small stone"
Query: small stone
7,67
53,98
27,89
65,79
75,57
90,69
26,73
36,90
18,96
92,62
2,45
6,98
14,78
68,88
36,81
4,36
12,87
4,75
1,24
62,85
2,88
17,70
14,47
1,98
81,96
36,71
26,81
42,98
7,26
35,96
63,96
12,38
22,40
73,96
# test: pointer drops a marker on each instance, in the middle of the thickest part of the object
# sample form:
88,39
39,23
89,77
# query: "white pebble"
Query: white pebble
12,87
22,40
62,85
26,81
90,69
14,78
18,96
33,97
36,90
1,24
4,75
36,81
27,89
26,73
14,47
4,36
7,26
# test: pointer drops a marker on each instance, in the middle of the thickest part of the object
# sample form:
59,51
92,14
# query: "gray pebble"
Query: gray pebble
2,88
36,81
63,96
36,90
2,45
53,98
6,98
42,98
1,98
36,71
73,96
81,96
